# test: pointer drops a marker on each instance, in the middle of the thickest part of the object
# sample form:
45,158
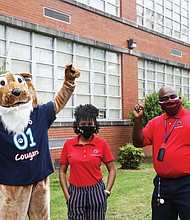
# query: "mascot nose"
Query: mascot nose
16,92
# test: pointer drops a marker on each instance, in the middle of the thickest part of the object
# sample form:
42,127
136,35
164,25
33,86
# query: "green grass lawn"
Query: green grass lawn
130,198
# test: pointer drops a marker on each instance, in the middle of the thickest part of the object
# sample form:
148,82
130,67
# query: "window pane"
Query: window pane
83,63
2,64
44,97
99,78
99,89
186,81
100,101
99,4
151,74
112,9
114,102
43,55
114,114
113,68
44,70
63,58
2,32
45,84
81,100
84,77
99,65
20,51
169,78
114,90
160,77
64,46
141,73
82,87
82,50
65,113
2,48
114,80
178,80
43,41
141,85
97,53
113,57
21,66
19,36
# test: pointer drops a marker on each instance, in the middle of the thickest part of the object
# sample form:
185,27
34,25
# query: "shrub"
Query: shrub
130,157
151,109
3,68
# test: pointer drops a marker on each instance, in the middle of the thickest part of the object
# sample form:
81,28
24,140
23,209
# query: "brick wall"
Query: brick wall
129,83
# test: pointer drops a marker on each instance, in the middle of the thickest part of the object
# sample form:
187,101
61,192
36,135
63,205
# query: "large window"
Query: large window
45,57
170,17
152,76
109,6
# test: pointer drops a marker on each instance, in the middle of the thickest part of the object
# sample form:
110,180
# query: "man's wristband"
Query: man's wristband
108,192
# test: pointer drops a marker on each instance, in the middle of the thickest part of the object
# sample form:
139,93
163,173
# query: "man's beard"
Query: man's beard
15,119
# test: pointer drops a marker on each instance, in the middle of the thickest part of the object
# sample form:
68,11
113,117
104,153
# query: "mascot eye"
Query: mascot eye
3,81
19,79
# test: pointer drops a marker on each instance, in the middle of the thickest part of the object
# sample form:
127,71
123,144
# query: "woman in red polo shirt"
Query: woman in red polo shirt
87,194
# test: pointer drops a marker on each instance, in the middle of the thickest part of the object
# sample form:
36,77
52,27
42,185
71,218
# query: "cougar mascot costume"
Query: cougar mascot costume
25,163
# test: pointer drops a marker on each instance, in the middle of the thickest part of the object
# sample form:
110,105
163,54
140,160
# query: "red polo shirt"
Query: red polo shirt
176,161
85,160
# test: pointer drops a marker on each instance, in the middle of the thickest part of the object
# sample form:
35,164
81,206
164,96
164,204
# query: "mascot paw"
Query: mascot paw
71,73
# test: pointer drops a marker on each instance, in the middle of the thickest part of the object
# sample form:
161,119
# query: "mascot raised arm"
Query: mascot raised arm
25,162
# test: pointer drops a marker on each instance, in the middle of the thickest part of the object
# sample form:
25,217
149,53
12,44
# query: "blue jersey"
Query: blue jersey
25,158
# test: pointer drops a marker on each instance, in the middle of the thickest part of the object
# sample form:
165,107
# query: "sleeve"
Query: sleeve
148,133
63,157
107,154
47,113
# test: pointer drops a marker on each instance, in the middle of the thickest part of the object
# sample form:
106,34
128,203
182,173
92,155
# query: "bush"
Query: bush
130,157
151,108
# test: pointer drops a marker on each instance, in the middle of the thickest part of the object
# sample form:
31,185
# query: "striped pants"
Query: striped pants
87,203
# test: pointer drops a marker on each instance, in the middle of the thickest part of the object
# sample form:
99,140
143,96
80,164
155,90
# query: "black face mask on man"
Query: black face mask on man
87,131
172,106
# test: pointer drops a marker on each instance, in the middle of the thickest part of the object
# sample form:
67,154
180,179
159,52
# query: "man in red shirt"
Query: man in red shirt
169,135
87,194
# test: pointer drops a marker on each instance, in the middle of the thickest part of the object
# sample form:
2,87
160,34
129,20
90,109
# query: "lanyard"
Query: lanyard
165,131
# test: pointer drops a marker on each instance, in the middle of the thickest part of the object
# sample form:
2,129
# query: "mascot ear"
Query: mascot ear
28,78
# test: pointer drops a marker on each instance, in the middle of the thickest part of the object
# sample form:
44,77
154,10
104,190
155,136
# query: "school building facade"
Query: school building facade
124,50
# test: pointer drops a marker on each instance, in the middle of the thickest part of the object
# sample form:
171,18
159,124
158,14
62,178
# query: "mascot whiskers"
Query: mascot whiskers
25,162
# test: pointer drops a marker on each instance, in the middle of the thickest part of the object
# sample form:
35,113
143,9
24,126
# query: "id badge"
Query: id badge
161,153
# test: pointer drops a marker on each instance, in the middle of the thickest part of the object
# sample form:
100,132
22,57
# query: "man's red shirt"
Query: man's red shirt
176,162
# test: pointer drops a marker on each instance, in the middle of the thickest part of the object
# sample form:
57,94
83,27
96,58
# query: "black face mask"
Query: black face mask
87,131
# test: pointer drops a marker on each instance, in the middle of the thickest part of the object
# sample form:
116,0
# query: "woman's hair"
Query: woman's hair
85,112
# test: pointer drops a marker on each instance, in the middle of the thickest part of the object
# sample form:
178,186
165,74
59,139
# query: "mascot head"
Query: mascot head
17,100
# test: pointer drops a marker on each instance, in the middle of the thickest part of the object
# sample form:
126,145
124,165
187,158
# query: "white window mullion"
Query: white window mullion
33,65
55,66
74,63
120,86
107,88
8,65
92,76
